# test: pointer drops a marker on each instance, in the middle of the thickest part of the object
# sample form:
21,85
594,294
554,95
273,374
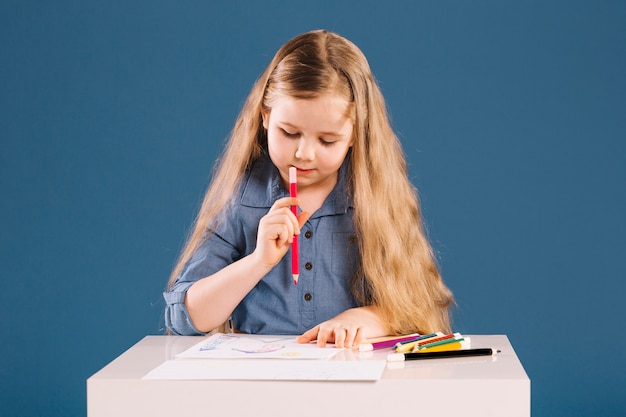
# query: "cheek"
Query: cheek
331,160
276,148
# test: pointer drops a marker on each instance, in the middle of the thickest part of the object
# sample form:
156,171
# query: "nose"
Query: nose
305,150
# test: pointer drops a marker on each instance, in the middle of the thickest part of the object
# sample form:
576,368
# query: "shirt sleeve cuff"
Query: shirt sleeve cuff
177,317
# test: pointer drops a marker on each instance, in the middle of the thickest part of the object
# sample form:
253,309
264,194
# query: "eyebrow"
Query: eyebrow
336,134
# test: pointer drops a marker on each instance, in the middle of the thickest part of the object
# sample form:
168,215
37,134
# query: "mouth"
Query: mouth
302,171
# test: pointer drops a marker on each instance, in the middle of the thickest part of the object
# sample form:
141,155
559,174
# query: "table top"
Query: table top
152,351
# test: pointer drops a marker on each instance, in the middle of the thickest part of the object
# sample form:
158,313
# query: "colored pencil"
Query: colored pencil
293,192
449,344
408,346
449,338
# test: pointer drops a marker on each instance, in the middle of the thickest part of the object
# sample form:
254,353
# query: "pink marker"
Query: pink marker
387,342
293,192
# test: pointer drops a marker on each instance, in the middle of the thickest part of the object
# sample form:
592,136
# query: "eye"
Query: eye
289,134
326,142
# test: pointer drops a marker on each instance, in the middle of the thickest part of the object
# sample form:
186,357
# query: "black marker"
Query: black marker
394,357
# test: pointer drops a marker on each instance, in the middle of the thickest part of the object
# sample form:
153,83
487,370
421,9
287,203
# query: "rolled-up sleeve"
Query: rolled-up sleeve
177,318
218,251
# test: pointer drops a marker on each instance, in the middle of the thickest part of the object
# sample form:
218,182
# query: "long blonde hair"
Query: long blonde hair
398,269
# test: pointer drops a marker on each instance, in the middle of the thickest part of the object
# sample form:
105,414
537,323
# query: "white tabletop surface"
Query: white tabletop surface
483,385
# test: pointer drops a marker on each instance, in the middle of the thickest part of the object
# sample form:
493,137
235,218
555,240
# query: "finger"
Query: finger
285,202
284,213
283,235
281,225
323,337
340,336
351,333
358,338
302,218
308,336
271,229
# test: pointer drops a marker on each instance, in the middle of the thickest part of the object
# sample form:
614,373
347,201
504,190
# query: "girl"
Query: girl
367,267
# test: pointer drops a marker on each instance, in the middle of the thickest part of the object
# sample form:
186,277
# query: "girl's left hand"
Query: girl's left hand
333,331
347,329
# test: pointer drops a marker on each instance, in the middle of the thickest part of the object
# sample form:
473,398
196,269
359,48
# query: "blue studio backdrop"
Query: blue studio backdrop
512,116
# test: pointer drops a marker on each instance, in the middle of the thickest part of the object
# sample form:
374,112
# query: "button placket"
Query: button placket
308,252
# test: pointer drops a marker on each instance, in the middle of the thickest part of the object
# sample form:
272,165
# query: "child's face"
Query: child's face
314,135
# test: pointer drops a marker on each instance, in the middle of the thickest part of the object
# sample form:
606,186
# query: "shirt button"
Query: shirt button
352,239
308,296
308,234
308,266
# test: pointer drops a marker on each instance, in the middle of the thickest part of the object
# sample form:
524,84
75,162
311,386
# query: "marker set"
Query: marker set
430,346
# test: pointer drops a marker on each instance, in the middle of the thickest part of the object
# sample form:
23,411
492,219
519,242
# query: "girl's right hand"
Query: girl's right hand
276,231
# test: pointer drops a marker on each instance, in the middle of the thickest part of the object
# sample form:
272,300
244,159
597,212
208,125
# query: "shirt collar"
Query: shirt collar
262,186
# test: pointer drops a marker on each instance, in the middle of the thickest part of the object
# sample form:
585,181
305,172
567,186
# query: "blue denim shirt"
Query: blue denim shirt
329,258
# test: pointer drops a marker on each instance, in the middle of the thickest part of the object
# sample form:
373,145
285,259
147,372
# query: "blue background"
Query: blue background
512,115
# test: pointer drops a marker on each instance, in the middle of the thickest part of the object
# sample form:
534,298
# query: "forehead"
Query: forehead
328,112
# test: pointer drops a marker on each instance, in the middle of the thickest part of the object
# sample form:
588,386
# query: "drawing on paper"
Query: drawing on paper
222,345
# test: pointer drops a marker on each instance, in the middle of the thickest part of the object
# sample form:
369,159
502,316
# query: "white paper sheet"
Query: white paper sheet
245,346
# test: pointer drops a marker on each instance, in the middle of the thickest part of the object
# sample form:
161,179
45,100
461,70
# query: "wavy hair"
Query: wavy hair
398,272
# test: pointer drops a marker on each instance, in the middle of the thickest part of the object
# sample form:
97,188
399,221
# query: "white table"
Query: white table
471,386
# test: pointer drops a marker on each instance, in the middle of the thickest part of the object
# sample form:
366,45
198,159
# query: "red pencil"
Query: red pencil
293,192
